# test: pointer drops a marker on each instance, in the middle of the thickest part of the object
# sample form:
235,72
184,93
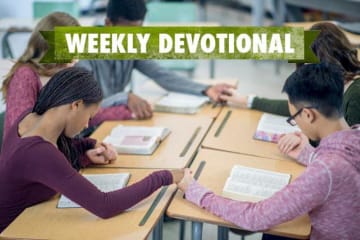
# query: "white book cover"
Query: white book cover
180,103
271,127
253,184
136,140
104,182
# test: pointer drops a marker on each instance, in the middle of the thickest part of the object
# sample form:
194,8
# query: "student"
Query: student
33,169
329,188
330,46
25,79
114,75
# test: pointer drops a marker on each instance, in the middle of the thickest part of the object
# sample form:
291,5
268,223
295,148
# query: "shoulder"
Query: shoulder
26,71
25,75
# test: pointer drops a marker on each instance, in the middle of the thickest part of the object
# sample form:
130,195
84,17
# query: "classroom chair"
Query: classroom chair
174,12
14,42
42,8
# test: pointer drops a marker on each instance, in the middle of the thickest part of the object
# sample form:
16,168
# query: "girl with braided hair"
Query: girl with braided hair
34,163
24,81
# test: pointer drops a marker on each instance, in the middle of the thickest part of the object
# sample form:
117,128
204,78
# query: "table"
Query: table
235,134
219,164
45,221
176,151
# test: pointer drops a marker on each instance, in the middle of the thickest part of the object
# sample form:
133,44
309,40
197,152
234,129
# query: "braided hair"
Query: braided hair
67,86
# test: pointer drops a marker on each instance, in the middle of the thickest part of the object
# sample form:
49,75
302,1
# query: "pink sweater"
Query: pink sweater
328,190
24,89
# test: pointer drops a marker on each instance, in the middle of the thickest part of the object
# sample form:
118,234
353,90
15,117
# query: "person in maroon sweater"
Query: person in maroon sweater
38,154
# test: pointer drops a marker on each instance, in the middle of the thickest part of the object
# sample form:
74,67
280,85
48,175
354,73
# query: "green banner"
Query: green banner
263,43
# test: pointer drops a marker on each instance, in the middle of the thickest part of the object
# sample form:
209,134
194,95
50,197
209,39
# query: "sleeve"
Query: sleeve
169,80
301,196
115,99
306,154
352,111
58,175
82,145
120,112
274,106
21,96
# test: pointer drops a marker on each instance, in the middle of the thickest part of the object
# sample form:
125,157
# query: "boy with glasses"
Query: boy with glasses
329,188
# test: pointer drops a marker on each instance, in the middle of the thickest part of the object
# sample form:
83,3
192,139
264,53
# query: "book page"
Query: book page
252,184
271,126
104,182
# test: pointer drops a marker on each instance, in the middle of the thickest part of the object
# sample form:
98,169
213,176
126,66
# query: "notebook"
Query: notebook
104,182
253,184
180,103
271,127
136,140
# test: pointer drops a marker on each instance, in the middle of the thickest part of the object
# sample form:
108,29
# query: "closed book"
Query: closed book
136,140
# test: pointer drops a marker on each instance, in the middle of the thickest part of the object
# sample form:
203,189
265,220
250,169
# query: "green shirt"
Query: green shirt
351,104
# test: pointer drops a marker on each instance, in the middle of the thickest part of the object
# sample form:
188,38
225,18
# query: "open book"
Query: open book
104,182
252,184
136,140
180,103
271,126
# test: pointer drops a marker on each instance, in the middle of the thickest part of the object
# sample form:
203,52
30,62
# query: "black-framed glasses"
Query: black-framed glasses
291,119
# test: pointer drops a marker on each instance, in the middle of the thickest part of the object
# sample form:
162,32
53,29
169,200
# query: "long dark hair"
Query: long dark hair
67,86
332,46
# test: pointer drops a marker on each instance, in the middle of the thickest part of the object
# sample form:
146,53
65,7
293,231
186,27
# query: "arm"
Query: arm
279,107
119,112
301,196
58,174
21,96
167,79
82,145
352,110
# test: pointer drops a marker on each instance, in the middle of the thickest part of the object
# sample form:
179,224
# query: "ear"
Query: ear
76,104
108,22
309,115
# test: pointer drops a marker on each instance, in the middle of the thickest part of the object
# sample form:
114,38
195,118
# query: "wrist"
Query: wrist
250,100
204,92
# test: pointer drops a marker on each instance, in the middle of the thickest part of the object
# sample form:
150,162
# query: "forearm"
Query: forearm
292,201
106,205
168,79
120,98
120,112
279,107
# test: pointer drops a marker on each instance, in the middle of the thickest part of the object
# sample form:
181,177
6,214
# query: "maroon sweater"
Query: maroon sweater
32,170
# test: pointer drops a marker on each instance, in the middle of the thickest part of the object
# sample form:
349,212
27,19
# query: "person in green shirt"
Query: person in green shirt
330,46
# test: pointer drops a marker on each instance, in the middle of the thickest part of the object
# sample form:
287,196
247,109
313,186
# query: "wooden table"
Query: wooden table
45,221
218,165
236,134
176,151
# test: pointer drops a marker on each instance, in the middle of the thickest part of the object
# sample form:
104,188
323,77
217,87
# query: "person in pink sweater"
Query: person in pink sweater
329,188
27,77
